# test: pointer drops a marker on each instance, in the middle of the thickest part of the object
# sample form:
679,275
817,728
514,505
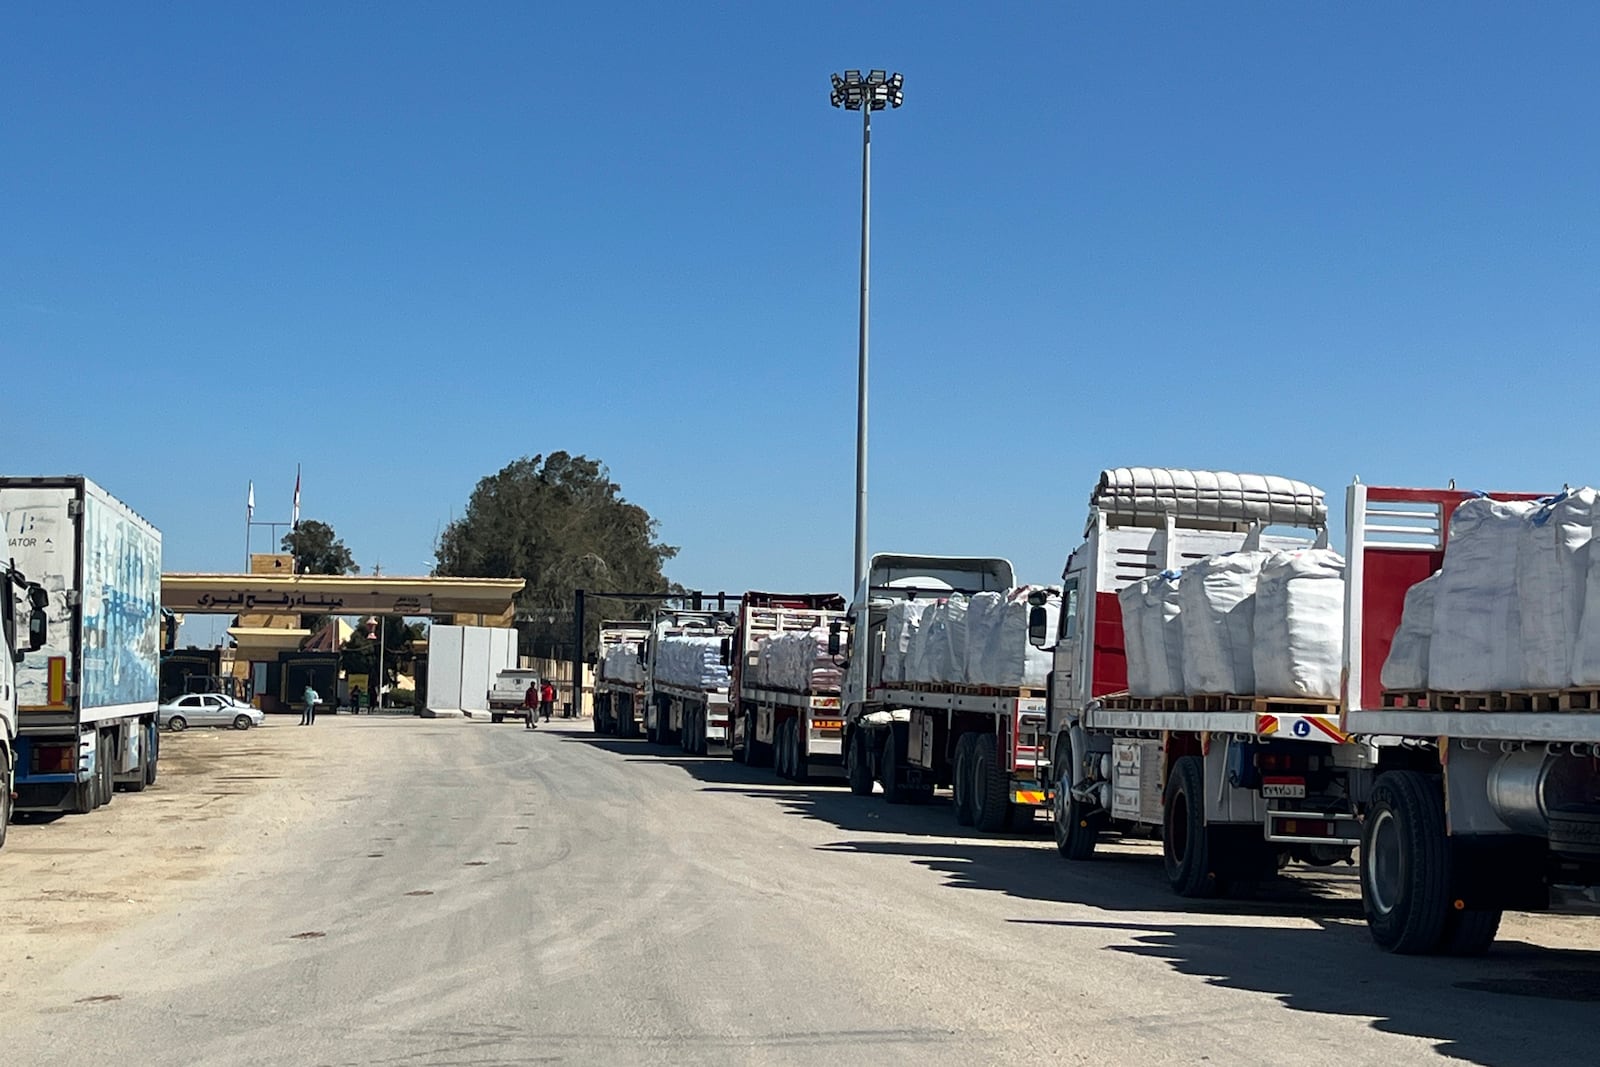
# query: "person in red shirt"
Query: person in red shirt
530,705
547,700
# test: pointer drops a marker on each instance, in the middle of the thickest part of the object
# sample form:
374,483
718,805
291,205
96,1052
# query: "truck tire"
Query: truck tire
1575,831
1469,932
1186,841
961,779
146,755
152,758
991,787
858,763
799,764
894,754
783,750
1405,864
495,716
6,785
108,775
1077,828
749,752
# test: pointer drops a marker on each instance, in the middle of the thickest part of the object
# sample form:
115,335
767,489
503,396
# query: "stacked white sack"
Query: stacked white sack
938,652
1477,640
1407,664
691,661
983,612
1552,572
900,628
799,662
1217,598
1152,634
1586,650
1008,657
621,664
1298,649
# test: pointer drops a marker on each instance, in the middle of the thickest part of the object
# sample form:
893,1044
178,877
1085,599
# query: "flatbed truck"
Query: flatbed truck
795,728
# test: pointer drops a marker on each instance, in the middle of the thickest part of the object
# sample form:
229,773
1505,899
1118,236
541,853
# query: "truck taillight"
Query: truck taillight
55,759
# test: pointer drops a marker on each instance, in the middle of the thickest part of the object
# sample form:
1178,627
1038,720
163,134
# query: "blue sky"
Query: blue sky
403,244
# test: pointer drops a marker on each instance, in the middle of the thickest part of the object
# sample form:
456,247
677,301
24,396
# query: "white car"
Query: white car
208,709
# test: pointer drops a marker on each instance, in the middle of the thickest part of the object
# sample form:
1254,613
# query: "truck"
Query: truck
15,586
509,691
1481,801
619,689
87,697
1232,783
790,727
686,695
986,742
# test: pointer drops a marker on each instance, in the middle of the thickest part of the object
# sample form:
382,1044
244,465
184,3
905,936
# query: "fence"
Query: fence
559,672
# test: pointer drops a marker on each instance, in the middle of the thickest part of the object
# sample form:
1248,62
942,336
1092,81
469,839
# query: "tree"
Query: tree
560,523
317,550
360,653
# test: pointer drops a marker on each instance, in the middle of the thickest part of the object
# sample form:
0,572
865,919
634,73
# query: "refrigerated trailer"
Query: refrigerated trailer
987,742
1232,782
791,728
87,698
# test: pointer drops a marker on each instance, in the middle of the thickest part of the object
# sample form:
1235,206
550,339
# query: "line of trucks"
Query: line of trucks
1208,672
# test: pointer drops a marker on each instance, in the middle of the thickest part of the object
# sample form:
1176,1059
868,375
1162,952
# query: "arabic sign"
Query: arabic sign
293,602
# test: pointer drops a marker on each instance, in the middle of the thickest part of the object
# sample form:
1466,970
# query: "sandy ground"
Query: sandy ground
407,891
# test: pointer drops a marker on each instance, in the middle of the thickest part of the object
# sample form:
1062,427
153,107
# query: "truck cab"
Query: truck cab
15,644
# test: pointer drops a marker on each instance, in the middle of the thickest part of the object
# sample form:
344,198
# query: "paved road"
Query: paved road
475,894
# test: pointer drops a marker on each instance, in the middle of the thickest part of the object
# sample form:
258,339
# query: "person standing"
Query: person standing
530,705
355,699
547,700
309,716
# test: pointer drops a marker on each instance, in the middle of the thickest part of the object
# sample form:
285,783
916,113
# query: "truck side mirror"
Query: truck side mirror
38,602
834,643
727,651
1038,626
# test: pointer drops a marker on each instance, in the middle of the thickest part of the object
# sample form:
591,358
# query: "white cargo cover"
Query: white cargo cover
998,650
1298,649
621,664
797,662
1145,496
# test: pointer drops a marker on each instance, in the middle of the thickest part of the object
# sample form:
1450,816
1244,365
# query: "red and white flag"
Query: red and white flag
295,519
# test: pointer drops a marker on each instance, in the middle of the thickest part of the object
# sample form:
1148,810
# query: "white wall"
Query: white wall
463,662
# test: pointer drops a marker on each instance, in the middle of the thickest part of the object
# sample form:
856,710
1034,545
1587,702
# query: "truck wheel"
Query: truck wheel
1185,840
108,776
991,787
783,749
799,765
495,716
1405,876
5,794
858,763
749,752
1077,826
961,779
894,754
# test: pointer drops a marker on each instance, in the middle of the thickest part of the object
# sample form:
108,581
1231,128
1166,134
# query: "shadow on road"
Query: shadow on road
1522,1006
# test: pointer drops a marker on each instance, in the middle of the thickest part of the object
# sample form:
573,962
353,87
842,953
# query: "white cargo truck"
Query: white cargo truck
619,689
1234,782
786,682
686,680
87,697
909,734
19,598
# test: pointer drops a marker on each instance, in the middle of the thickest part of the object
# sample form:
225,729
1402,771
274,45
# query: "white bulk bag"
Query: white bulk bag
900,628
1131,597
983,613
917,657
1552,571
1155,629
951,662
1217,599
1009,658
1298,649
1477,641
1407,664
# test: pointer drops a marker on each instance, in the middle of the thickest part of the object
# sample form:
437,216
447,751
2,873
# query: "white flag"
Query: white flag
295,519
250,503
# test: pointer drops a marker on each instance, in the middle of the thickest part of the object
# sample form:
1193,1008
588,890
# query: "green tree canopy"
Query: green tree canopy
317,550
560,523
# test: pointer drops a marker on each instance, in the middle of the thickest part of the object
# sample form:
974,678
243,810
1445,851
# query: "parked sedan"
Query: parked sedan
208,709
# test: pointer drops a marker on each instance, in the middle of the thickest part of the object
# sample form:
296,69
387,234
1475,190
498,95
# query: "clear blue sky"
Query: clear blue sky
403,244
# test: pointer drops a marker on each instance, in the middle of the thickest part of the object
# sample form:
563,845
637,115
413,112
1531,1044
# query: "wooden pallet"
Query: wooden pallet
1526,700
963,689
1223,702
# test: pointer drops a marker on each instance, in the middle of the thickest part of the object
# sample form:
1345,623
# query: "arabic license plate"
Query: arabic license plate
1283,788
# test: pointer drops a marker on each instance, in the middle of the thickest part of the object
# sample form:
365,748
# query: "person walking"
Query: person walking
530,705
547,700
309,716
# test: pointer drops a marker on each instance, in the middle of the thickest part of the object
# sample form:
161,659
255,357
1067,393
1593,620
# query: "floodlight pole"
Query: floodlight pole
861,369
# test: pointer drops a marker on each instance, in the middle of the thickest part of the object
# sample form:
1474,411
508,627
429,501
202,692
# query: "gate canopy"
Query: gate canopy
491,601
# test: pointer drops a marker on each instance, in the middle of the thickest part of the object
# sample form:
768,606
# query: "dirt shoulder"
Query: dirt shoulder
71,881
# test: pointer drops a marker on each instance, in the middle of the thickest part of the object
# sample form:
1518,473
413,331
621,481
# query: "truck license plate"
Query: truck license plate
1283,788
